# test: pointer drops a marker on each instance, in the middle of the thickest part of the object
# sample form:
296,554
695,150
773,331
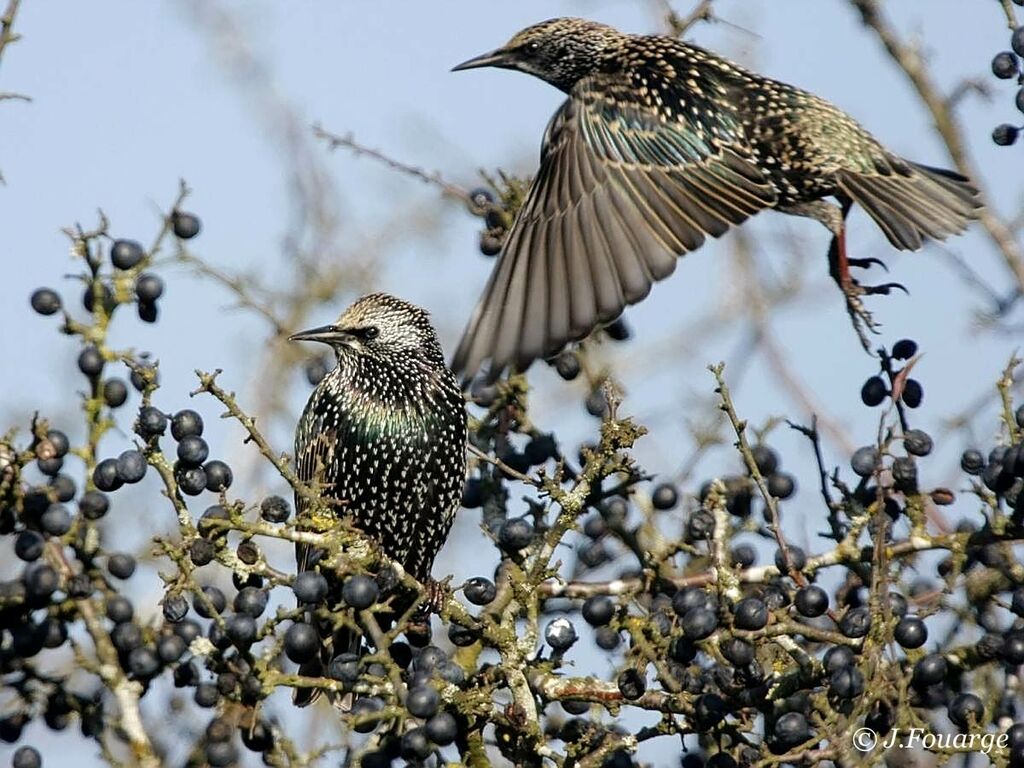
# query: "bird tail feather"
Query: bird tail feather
910,202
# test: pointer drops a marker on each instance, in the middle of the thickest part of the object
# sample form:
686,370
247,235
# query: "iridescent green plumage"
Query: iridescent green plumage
384,436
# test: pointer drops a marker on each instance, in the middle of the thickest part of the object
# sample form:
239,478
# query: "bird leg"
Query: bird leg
833,217
437,594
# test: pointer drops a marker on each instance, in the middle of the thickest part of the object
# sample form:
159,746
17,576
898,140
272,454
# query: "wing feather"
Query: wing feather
620,194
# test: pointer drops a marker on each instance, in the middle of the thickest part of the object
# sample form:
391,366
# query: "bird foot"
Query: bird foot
863,322
436,597
866,263
417,631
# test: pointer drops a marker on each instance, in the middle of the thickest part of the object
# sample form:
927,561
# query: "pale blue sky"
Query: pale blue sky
130,97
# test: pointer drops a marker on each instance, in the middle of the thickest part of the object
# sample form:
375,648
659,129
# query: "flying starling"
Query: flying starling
383,434
660,144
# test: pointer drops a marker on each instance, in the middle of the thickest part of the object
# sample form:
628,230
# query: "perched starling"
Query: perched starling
660,144
384,435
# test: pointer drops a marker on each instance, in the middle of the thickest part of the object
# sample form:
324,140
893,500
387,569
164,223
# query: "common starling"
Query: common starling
660,144
383,435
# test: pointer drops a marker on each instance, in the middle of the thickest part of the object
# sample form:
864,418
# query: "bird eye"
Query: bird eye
371,333
533,47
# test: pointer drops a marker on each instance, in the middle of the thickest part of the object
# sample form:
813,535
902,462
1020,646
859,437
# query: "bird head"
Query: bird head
382,327
559,51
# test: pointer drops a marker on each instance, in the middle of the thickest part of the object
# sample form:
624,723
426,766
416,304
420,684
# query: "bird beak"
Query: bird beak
498,58
325,334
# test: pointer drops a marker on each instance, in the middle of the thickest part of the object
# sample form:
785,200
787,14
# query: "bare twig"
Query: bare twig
947,125
348,141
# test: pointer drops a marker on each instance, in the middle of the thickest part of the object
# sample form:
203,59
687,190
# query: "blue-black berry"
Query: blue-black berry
797,558
972,462
479,591
151,422
274,509
185,225
847,682
344,667
514,534
856,622
301,642
218,476
560,634
1005,134
119,609
45,301
864,461
175,608
251,601
791,729
131,466
699,623
149,288
598,610
310,587
567,365
186,422
911,632
422,701
56,520
811,601
90,361
442,729
665,496
121,565
241,630
966,709
750,613
632,684
192,450
360,591
781,485
873,392
904,349
29,546
917,442
125,254
1005,65
362,714
210,603
192,481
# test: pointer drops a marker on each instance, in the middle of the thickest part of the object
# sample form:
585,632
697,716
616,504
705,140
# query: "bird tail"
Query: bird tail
342,641
910,202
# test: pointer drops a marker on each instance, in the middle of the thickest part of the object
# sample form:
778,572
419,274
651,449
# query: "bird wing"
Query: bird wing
314,455
622,190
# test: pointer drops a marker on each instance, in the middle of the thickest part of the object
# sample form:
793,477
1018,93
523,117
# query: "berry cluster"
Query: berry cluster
483,203
1006,65
698,608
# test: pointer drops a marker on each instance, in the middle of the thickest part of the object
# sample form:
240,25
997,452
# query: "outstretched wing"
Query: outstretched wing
622,190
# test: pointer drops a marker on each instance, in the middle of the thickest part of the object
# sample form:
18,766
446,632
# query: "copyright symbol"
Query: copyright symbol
864,739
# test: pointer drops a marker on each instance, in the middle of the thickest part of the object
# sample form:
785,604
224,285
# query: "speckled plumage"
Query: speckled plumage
659,144
385,433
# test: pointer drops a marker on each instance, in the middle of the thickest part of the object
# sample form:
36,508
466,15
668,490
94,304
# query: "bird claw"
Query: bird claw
881,290
436,596
867,263
863,322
